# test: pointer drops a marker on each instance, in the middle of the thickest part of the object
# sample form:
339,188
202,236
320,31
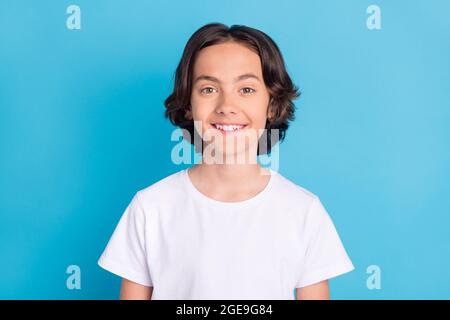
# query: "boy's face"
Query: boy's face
228,89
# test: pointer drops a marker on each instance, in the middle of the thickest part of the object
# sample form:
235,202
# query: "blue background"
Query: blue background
82,129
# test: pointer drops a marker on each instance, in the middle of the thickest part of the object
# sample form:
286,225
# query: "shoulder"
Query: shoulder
293,193
163,190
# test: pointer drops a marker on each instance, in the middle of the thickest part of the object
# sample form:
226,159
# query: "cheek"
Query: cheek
200,113
200,109
258,112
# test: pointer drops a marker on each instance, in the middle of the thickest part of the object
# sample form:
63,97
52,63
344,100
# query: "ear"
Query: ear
270,113
188,114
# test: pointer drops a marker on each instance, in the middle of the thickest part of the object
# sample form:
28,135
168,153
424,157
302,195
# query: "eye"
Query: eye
208,90
248,90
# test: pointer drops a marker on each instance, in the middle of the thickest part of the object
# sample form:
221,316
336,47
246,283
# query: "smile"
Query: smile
226,128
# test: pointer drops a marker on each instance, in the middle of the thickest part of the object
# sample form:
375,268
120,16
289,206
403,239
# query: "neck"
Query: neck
231,174
230,182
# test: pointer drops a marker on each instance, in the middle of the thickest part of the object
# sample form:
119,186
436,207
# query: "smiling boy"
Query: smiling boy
227,230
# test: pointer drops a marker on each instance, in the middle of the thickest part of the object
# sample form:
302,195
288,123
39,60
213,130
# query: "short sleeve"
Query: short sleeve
325,256
125,253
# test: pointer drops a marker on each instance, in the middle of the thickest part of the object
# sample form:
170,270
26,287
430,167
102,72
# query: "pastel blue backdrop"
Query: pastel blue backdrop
82,129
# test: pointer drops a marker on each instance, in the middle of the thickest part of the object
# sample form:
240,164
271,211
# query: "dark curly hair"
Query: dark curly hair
280,86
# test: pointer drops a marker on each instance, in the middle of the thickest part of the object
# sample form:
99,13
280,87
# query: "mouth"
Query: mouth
229,128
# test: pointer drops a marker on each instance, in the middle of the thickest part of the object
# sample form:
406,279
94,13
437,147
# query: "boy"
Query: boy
227,229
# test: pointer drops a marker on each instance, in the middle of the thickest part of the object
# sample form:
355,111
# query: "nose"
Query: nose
226,104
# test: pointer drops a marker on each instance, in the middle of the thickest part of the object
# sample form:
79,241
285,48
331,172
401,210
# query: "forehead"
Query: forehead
227,60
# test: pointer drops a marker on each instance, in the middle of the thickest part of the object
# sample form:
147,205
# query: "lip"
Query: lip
244,125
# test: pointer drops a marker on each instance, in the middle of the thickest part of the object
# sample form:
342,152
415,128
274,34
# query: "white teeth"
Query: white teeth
231,127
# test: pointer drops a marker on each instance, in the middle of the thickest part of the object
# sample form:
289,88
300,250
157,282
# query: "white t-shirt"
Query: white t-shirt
189,246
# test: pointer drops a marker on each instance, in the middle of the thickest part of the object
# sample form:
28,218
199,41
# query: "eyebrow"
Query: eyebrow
240,78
